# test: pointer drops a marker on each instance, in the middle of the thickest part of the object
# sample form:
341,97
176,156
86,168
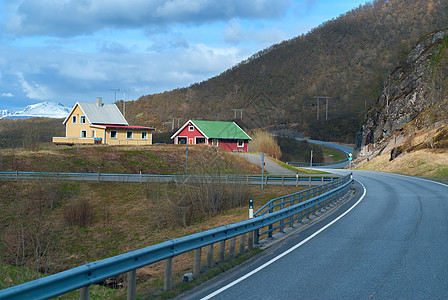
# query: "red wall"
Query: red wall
189,134
231,145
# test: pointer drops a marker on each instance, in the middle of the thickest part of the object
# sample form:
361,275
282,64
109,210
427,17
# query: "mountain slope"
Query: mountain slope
347,58
43,109
413,102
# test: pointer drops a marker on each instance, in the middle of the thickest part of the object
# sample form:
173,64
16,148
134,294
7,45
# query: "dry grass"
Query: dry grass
424,163
123,220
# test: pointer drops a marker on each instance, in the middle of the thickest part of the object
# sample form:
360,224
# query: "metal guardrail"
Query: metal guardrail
154,177
91,273
303,164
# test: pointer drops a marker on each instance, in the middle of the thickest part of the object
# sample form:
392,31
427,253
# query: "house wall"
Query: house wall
232,145
123,140
189,135
74,130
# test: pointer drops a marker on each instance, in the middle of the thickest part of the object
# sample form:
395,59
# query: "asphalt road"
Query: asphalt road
346,149
393,244
269,166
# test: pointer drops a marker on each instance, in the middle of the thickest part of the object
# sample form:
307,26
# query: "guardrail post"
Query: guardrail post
250,240
283,180
271,210
242,244
282,222
297,179
291,219
322,179
17,175
232,246
168,281
132,285
222,251
256,236
266,180
210,256
197,262
141,176
99,176
84,293
310,182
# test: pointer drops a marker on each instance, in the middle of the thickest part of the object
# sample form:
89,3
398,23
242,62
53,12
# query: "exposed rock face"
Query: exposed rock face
408,92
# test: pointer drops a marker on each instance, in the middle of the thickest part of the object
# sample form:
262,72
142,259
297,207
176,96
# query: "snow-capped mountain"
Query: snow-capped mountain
4,112
45,109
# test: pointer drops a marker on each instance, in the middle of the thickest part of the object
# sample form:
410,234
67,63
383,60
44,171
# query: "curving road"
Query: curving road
392,244
346,149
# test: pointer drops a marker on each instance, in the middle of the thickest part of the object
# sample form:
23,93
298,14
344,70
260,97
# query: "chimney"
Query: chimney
99,101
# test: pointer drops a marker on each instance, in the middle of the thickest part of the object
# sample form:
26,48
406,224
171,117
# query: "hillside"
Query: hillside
414,101
167,159
347,58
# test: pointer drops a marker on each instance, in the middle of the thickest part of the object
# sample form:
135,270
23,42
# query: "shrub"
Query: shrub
263,141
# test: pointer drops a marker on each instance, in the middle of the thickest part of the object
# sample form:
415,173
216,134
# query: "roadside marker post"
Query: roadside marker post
262,168
251,208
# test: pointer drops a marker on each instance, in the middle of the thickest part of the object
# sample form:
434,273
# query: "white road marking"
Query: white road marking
287,251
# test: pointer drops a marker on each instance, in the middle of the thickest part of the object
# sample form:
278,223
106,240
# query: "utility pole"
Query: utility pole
236,111
115,90
326,105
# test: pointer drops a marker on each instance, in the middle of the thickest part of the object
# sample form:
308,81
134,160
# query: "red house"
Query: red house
225,135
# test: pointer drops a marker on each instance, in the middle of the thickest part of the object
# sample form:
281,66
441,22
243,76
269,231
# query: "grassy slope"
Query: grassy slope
124,215
167,159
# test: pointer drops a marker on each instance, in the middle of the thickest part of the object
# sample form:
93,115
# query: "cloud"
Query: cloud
68,18
68,76
33,90
8,95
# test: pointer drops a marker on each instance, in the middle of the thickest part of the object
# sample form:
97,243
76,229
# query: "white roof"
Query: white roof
104,114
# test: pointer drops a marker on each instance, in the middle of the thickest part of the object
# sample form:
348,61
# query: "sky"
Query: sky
76,50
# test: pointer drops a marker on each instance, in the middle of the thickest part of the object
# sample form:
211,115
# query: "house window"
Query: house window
190,128
93,133
73,119
200,140
240,143
83,133
144,135
129,135
82,120
113,134
182,141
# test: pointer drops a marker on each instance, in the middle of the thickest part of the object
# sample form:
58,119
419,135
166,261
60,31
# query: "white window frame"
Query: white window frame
182,137
116,134
238,143
200,137
74,119
83,133
127,135
146,135
190,128
82,120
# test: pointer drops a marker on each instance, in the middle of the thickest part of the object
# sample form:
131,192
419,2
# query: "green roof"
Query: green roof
221,130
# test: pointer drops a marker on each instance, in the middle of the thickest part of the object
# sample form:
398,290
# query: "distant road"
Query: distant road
346,149
393,244
270,166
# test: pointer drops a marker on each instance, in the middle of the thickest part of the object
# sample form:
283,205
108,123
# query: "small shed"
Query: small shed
224,135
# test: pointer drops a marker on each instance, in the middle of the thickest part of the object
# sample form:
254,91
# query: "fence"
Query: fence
251,179
304,164
84,276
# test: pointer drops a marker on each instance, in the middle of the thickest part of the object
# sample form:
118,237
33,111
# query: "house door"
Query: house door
190,141
182,141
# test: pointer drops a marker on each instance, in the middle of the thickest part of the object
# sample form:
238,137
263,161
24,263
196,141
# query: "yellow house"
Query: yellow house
98,123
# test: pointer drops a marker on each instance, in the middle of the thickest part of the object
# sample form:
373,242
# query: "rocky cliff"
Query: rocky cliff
419,85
